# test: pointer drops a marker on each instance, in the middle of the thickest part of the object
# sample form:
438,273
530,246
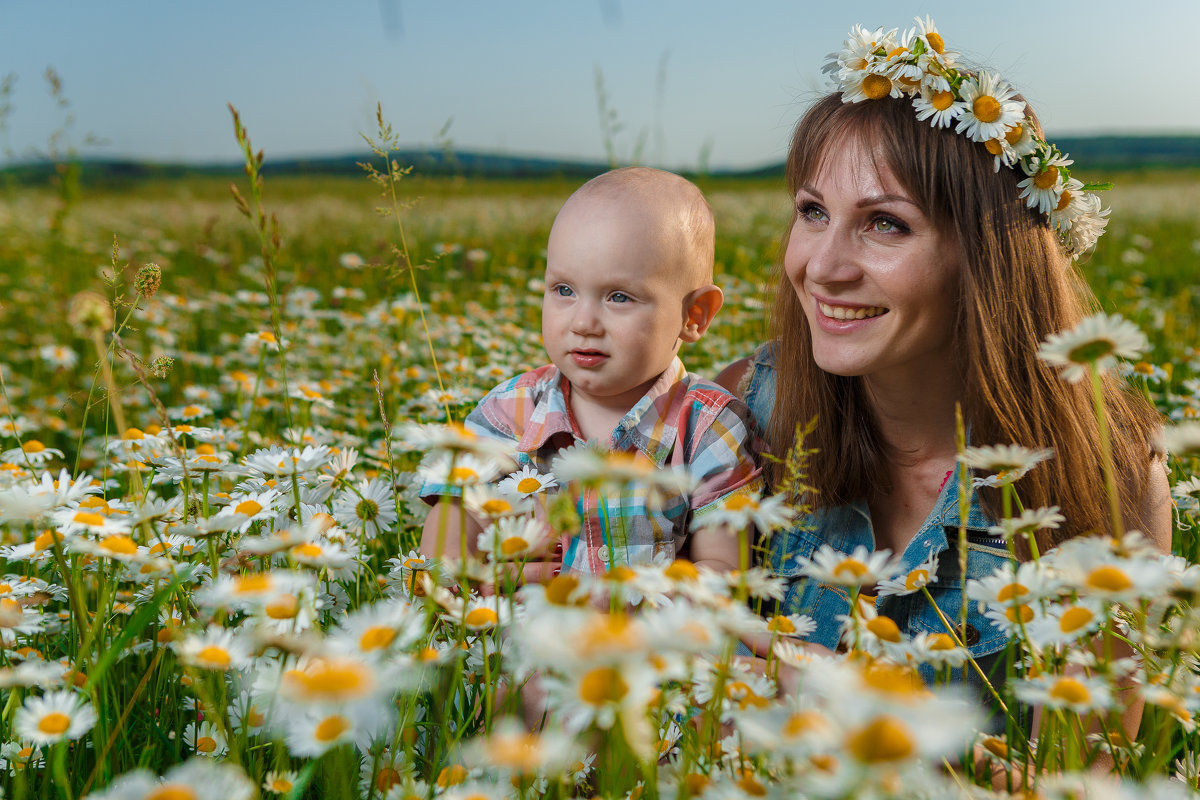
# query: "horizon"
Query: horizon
697,86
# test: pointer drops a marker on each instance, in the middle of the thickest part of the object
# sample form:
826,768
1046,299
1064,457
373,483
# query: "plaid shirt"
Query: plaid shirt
681,420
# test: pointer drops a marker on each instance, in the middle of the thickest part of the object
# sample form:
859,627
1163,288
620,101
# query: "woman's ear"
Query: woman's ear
700,307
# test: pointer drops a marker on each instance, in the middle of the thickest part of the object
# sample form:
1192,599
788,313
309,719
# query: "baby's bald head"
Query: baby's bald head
661,206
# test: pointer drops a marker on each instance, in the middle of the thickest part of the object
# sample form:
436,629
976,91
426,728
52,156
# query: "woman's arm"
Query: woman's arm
732,375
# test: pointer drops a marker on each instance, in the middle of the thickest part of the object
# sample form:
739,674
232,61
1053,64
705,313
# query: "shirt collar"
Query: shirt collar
644,427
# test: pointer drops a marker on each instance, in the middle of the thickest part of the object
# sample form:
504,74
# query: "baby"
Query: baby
629,273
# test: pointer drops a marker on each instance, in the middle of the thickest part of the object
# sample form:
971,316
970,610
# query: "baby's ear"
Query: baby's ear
700,307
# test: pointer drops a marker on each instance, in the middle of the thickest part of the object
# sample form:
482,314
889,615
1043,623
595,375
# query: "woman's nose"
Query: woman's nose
832,256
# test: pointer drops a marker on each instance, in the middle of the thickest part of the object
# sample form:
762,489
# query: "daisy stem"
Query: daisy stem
1110,477
102,758
58,766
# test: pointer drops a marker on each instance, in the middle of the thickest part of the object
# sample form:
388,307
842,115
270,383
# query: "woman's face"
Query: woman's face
878,283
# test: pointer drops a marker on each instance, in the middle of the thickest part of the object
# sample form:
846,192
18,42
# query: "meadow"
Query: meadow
212,428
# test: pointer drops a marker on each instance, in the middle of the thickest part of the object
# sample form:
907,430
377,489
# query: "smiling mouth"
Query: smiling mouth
849,312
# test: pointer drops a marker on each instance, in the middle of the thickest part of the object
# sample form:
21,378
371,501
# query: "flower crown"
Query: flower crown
876,64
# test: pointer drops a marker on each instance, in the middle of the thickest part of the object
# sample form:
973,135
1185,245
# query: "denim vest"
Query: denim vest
846,527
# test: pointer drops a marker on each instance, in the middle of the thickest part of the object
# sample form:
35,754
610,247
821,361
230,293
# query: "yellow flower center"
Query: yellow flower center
1021,613
252,583
602,685
560,588
916,579
172,791
331,728
1109,579
281,786
740,502
986,108
376,637
119,545
496,506
941,641
1047,178
876,87
45,540
33,446
214,656
751,786
781,624
1013,591
307,550
331,680
1014,134
1069,690
682,570
451,776
621,574
513,545
248,507
994,147
463,475
286,606
54,723
1074,619
884,628
942,100
850,566
803,722
996,746
88,518
481,617
133,434
1064,200
386,779
936,43
885,738
528,485
206,744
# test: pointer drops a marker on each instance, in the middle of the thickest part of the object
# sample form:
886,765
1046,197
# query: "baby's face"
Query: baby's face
614,308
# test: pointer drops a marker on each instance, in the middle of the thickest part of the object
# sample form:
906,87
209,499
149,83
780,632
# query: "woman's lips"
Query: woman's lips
834,318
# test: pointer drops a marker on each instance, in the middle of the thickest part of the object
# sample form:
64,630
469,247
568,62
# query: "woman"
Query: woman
918,276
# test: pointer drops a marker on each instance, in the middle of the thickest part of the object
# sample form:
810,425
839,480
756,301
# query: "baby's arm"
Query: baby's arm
715,548
442,534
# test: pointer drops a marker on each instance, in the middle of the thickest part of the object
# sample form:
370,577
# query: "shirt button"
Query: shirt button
970,636
603,555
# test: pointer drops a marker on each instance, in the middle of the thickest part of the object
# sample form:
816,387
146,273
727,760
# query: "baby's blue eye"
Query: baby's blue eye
563,291
619,297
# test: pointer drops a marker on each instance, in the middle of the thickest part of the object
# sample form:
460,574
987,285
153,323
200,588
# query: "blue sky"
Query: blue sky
688,77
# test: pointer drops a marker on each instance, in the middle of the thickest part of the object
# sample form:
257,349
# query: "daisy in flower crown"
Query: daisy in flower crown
874,64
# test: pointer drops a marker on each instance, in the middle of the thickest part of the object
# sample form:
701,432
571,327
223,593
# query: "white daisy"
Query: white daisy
1028,522
1077,693
937,106
196,779
743,509
989,107
369,507
527,482
513,538
911,582
1006,463
494,502
860,568
1043,188
1098,340
31,452
53,717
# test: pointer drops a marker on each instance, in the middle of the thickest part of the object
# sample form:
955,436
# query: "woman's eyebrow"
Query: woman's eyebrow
866,201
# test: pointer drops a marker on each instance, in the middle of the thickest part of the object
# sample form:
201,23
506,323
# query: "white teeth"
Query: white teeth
845,312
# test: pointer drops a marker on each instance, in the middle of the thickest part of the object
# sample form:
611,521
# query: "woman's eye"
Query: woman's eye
810,212
563,291
889,225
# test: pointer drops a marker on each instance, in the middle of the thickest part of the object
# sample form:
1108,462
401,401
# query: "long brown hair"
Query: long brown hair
1016,287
